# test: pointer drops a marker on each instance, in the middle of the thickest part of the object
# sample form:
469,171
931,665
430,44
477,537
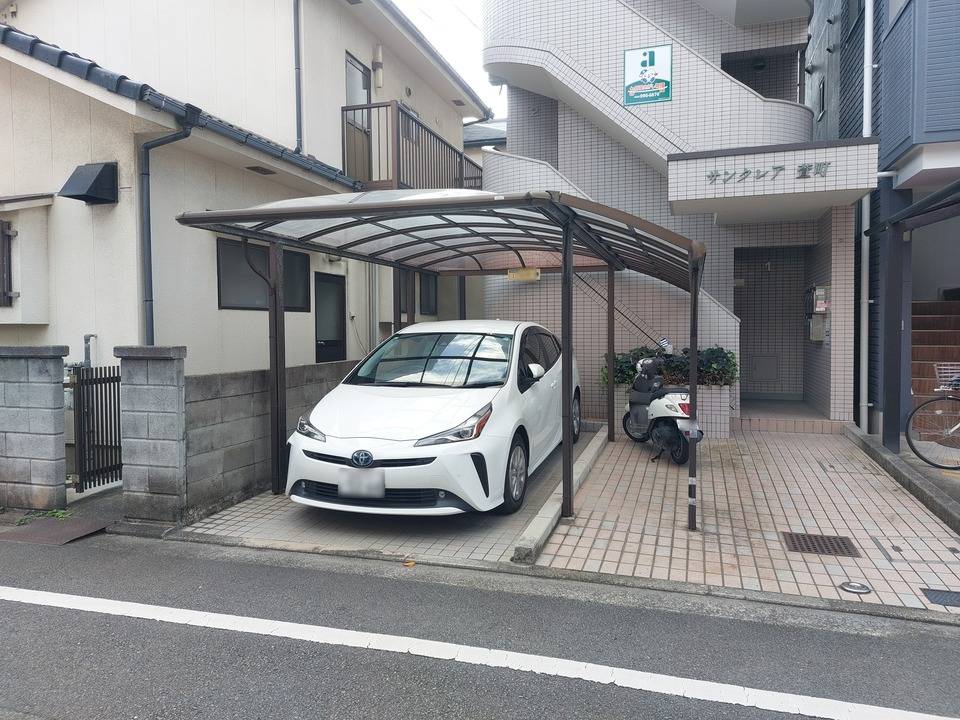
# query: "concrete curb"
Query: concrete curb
851,607
912,479
534,535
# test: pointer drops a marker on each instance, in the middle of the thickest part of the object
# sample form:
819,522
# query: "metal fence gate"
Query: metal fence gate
96,413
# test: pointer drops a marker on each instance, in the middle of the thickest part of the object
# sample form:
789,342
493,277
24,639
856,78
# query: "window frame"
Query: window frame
225,242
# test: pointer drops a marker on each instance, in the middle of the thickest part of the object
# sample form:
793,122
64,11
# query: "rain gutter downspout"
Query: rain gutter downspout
297,77
146,236
864,359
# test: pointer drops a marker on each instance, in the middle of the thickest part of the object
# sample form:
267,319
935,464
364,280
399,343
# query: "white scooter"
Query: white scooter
659,413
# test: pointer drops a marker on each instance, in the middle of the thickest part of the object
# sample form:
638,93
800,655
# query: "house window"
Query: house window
428,294
240,288
821,100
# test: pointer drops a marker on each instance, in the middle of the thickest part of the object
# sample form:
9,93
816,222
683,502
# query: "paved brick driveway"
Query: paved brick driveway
276,521
631,520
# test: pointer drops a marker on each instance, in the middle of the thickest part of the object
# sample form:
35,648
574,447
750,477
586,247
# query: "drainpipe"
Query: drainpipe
146,236
297,80
864,359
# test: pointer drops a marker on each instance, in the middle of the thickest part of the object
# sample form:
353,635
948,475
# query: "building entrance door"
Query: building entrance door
330,313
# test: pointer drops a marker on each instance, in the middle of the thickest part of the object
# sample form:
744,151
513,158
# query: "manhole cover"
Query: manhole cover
950,598
820,544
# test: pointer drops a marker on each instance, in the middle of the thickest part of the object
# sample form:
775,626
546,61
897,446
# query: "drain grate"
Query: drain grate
950,598
820,544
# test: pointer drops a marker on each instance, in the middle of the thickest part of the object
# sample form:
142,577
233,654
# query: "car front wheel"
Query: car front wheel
515,478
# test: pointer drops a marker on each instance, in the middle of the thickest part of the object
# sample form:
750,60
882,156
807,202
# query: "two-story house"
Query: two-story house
119,116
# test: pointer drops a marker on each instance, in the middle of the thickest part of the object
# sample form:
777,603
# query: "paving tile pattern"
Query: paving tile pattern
473,536
631,520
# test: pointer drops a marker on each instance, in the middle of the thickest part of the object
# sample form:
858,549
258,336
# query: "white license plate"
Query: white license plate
359,483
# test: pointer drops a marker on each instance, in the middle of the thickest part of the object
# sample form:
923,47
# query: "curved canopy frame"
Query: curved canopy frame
469,232
457,232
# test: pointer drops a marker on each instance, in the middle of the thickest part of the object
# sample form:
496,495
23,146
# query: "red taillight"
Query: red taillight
685,408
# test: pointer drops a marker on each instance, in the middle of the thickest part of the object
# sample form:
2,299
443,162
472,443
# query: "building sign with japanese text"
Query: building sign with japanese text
803,171
648,75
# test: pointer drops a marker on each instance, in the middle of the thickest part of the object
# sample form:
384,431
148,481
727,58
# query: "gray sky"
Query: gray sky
454,28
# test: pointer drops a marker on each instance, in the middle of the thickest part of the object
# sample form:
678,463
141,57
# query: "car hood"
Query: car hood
401,413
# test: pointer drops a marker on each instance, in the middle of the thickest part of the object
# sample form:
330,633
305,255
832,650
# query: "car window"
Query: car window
432,359
530,352
551,352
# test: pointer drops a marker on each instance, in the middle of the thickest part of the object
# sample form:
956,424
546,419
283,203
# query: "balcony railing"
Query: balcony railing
387,146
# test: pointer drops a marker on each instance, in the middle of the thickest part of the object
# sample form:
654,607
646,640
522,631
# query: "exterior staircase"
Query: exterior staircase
935,339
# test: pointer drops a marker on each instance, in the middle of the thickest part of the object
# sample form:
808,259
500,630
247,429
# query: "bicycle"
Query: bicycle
933,428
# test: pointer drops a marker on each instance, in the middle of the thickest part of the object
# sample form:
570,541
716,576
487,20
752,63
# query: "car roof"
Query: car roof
496,327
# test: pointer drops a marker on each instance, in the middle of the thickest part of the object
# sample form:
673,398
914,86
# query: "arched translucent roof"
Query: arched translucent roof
464,231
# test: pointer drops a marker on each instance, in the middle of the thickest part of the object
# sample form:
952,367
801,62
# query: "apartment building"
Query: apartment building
119,116
708,118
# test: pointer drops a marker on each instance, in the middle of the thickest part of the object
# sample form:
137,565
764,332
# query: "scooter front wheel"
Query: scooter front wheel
632,431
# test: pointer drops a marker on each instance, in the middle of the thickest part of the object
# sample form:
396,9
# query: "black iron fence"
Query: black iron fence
385,145
96,414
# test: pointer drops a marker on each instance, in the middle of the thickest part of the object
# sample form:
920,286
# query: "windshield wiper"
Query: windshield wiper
491,383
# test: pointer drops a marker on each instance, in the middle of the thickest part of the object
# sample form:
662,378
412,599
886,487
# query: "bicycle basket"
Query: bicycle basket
948,375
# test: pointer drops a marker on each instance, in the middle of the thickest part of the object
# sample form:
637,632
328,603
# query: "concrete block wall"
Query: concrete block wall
33,469
152,432
227,419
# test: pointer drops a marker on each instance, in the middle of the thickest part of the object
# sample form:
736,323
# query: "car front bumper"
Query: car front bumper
443,479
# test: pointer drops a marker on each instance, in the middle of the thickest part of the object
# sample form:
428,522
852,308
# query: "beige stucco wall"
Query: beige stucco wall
185,271
235,59
46,130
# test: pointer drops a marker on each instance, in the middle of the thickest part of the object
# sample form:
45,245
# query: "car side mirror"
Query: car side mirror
536,371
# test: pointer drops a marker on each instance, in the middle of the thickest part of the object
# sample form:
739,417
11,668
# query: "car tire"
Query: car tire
515,486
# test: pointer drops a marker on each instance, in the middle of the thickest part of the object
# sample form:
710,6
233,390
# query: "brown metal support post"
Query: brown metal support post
611,364
566,378
694,362
396,299
411,297
278,373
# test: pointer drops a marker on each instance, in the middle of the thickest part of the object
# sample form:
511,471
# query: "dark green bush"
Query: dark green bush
715,366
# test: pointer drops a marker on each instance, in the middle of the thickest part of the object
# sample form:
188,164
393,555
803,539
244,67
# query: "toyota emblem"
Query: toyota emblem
362,458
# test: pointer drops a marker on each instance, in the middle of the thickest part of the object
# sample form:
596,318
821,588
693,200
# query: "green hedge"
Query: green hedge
715,366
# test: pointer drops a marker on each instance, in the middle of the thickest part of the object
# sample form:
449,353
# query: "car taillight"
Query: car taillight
684,408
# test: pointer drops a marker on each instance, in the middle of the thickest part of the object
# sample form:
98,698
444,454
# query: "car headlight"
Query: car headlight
467,430
305,428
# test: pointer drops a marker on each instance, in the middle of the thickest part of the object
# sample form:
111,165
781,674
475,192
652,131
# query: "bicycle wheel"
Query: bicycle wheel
933,432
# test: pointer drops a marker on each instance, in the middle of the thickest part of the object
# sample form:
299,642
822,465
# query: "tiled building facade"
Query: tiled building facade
730,159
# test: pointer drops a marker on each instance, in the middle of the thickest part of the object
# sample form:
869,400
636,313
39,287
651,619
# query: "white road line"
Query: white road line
540,664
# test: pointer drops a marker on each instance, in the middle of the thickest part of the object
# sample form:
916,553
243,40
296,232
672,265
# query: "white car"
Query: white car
441,418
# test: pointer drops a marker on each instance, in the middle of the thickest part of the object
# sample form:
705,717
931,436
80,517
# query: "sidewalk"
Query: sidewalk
631,521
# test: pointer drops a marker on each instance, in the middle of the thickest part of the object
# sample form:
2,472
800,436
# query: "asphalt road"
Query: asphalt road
66,663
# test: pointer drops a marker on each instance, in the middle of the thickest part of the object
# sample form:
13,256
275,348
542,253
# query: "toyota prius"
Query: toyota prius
441,418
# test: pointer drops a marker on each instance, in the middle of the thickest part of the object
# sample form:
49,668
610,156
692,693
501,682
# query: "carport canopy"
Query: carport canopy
468,232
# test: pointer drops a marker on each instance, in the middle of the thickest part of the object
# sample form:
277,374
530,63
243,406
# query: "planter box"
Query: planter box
713,410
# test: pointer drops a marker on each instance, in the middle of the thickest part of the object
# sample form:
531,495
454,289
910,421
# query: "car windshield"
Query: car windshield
437,359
